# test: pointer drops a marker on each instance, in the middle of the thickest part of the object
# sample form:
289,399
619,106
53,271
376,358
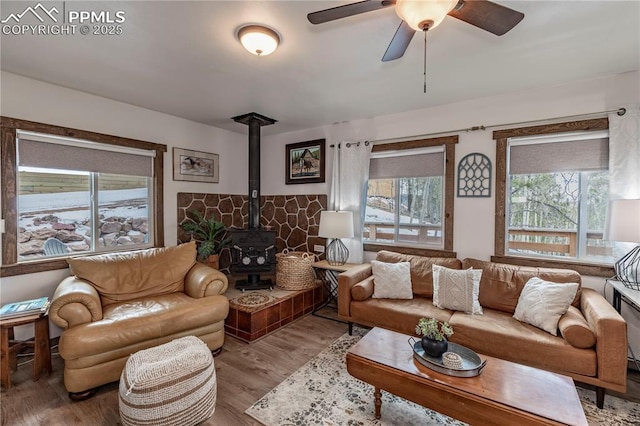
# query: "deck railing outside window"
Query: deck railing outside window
540,242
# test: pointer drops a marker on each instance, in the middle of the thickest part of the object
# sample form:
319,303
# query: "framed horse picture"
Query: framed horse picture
305,162
195,166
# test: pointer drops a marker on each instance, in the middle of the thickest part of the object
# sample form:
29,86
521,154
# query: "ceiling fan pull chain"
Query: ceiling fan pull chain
424,62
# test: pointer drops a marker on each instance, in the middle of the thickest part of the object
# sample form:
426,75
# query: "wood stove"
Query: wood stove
253,250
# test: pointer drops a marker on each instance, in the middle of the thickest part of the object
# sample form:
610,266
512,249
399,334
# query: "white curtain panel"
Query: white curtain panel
624,161
624,154
348,185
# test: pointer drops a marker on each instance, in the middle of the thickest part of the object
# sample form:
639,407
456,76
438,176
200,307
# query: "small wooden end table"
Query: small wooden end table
505,393
9,347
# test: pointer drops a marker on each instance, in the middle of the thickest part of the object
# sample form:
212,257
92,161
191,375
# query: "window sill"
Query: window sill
44,265
580,267
32,267
416,251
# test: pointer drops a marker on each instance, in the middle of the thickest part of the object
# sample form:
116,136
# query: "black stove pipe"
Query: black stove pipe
254,121
254,173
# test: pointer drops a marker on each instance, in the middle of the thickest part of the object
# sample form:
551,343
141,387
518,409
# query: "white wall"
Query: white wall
34,100
474,217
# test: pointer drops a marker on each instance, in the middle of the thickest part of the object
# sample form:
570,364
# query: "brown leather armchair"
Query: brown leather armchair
119,303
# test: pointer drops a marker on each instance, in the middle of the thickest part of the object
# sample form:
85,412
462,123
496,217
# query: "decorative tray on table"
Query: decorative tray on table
470,363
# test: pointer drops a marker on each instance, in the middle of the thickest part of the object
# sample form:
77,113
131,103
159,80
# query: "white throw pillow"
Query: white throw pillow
542,303
391,280
457,289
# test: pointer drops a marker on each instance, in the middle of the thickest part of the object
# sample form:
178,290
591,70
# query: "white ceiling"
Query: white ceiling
182,58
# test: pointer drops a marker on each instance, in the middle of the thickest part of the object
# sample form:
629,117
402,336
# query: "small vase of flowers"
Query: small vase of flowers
434,336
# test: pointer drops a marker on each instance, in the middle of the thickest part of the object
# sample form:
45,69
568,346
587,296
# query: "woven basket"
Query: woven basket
294,270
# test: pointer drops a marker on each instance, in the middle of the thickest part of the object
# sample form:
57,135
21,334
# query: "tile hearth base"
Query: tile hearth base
252,323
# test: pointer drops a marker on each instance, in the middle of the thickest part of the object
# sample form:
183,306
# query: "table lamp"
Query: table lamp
336,225
624,225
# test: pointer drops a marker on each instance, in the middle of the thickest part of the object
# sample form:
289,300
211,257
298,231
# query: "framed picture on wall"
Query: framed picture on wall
195,166
305,162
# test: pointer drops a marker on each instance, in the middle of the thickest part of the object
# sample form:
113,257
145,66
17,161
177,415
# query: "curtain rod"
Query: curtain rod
619,111
366,143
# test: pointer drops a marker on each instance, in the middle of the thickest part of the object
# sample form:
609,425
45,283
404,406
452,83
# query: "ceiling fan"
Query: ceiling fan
422,15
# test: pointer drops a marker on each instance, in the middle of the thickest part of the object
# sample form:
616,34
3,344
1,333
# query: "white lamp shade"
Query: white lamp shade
417,12
259,40
624,221
336,224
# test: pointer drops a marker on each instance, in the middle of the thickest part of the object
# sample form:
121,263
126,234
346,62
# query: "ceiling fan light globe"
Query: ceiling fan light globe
260,41
417,13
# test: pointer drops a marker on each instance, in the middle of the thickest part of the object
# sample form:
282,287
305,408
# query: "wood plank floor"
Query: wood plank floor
245,373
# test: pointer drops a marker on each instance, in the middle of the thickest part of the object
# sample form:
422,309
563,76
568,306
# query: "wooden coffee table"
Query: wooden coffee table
505,393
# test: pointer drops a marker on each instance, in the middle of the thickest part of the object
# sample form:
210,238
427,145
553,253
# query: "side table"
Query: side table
9,347
629,295
328,274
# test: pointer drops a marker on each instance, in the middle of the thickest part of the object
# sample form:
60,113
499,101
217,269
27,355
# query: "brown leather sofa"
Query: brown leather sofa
119,303
597,357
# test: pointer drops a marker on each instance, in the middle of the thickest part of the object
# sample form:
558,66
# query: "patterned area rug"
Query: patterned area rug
323,393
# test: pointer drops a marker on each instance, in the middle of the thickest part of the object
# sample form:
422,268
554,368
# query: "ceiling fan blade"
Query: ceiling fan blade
399,42
346,10
487,15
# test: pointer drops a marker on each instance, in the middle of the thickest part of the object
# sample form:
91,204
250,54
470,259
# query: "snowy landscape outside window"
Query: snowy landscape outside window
404,210
405,198
69,201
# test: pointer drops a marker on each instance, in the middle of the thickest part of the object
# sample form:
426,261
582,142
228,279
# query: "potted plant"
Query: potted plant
434,335
209,234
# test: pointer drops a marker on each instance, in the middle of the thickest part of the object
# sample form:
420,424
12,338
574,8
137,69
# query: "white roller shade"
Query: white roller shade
407,164
580,152
52,152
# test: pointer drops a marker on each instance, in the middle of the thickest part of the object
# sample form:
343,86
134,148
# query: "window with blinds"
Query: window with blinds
77,196
557,196
405,197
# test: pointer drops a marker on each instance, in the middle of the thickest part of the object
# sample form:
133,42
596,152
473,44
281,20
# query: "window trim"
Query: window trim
8,177
500,230
416,251
449,143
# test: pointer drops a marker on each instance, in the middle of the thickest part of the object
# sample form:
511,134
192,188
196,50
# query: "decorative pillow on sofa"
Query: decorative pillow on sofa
420,269
362,290
391,280
457,289
501,283
542,303
576,331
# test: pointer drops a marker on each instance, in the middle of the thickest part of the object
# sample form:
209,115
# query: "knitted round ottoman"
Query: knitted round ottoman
170,384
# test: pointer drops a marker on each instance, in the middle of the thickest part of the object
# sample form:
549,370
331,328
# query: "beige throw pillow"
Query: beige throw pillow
542,303
391,280
457,289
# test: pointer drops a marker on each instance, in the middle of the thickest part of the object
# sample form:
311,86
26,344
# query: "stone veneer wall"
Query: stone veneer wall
295,218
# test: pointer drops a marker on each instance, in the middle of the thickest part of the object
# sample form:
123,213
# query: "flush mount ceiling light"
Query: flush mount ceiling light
259,40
